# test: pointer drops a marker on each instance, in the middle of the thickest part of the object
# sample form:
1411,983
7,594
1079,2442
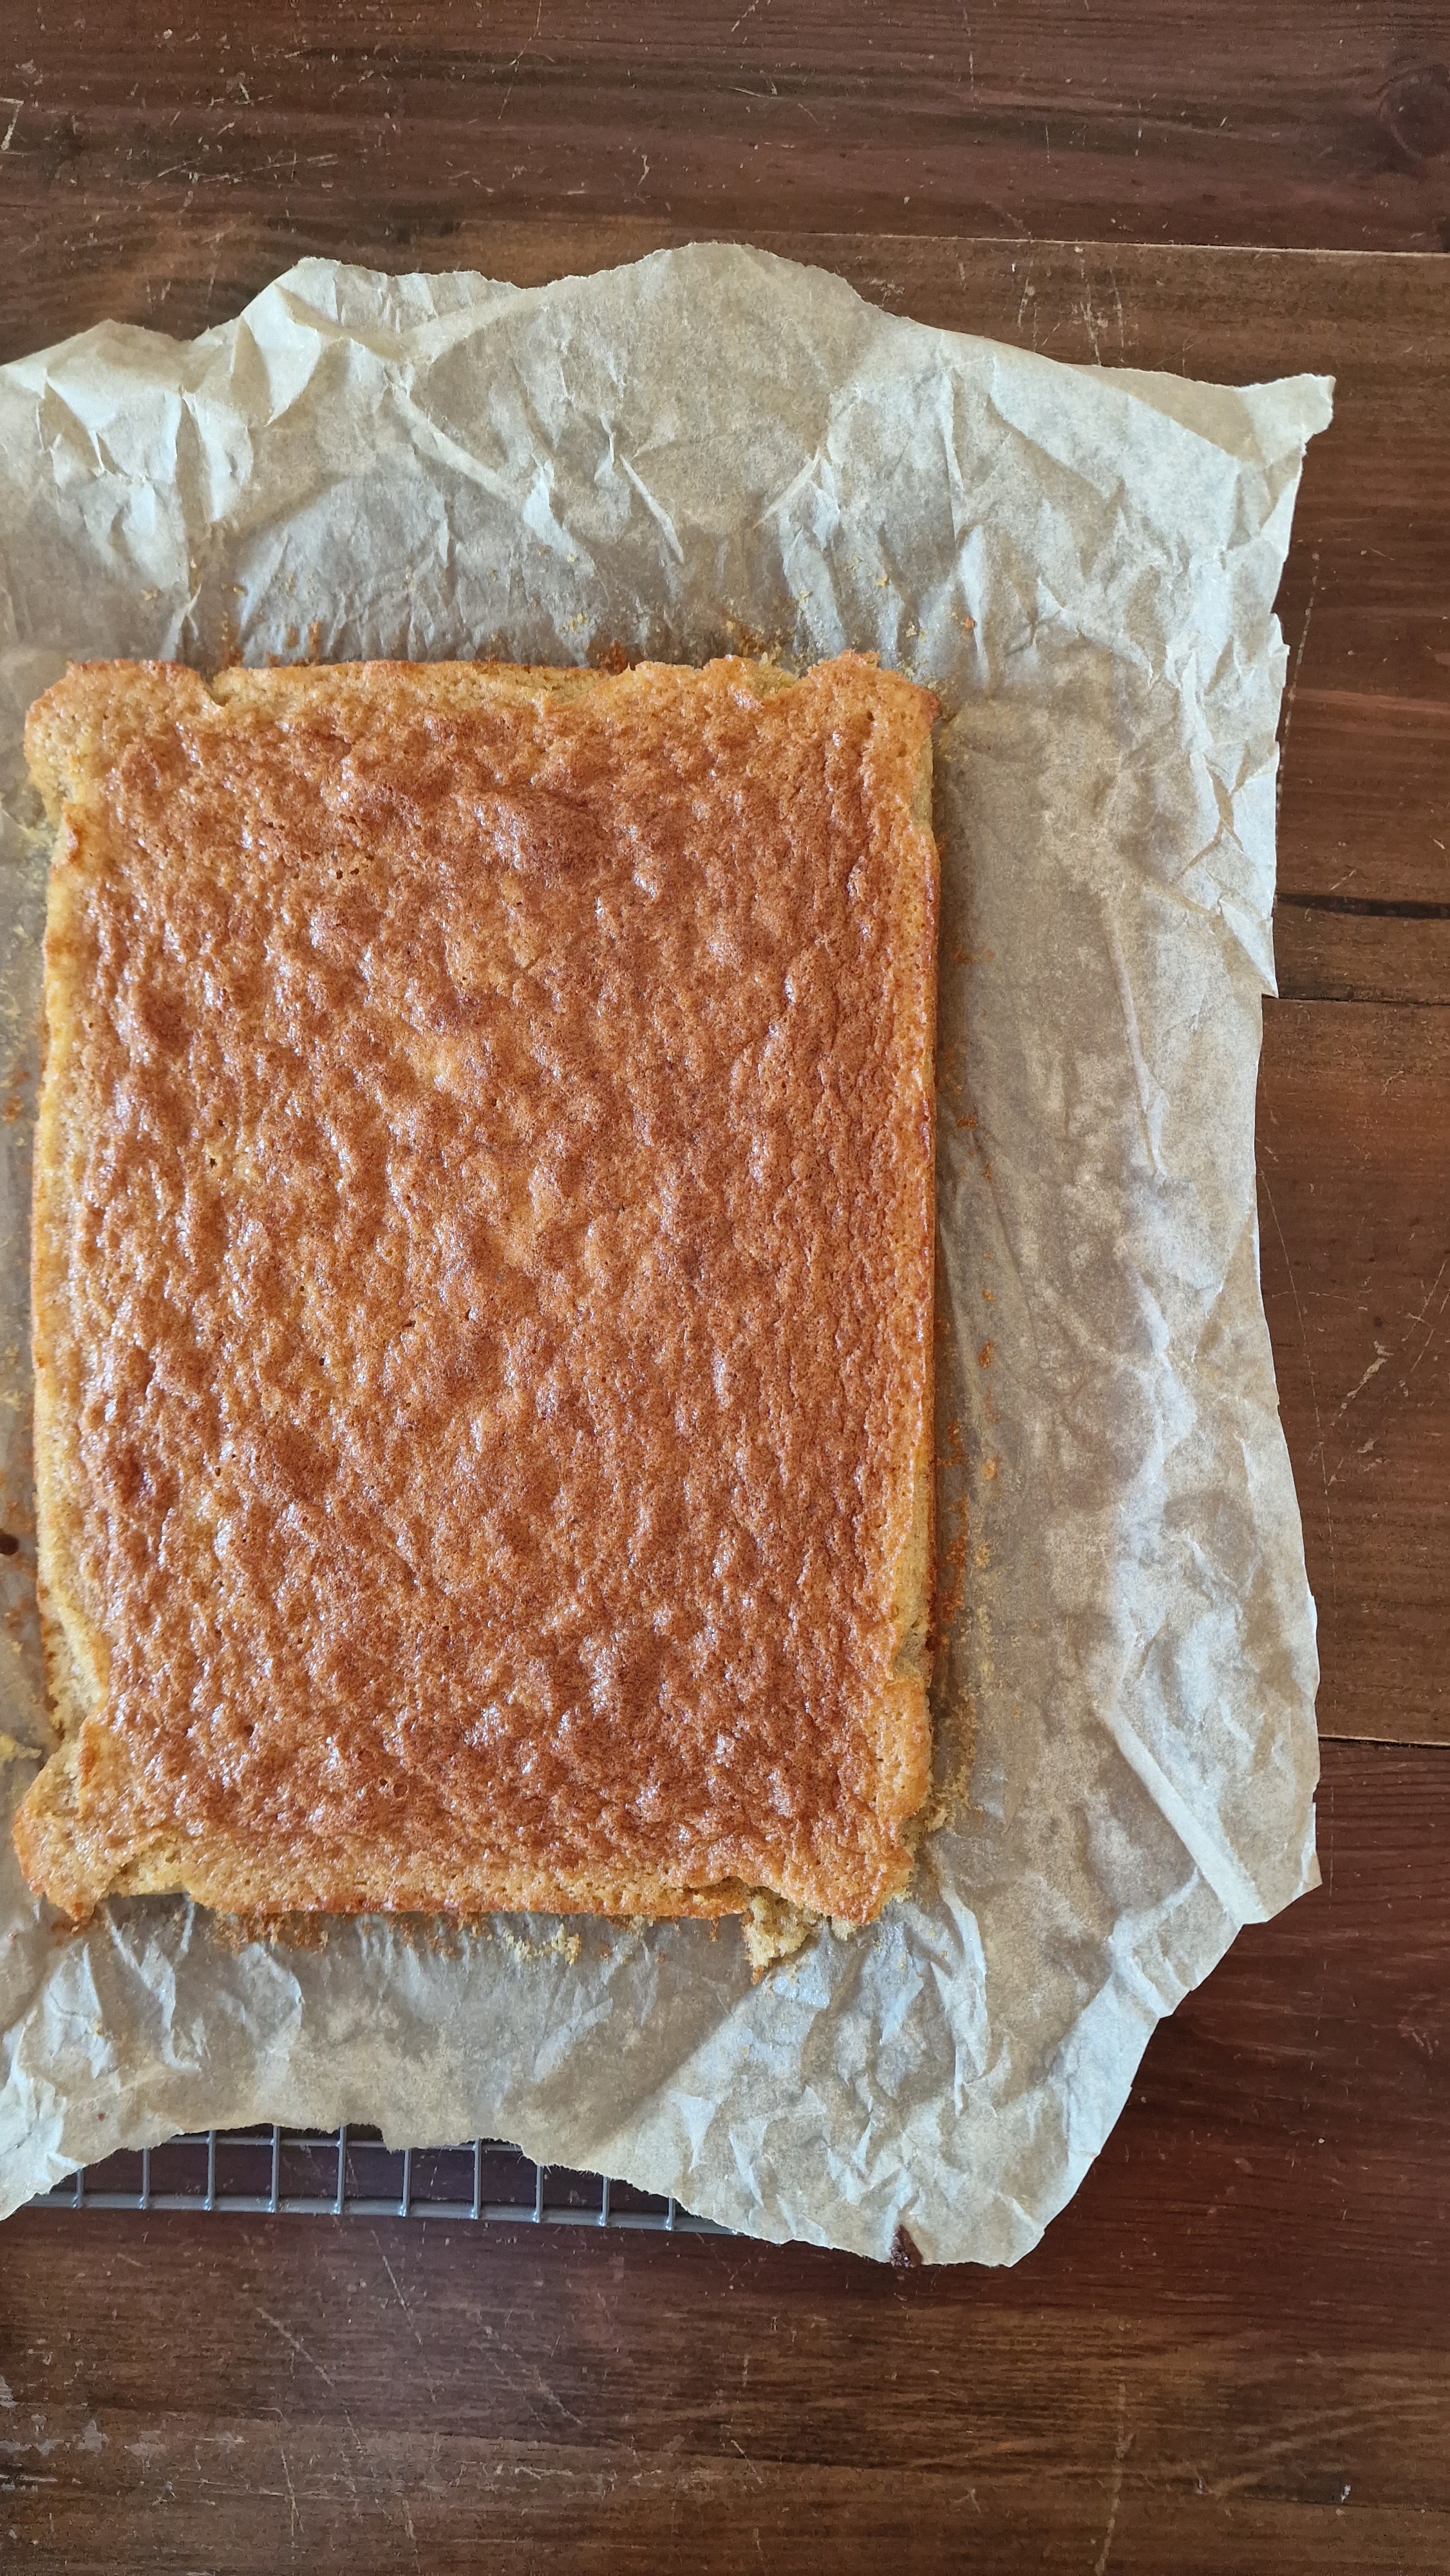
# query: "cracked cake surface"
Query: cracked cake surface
482,1285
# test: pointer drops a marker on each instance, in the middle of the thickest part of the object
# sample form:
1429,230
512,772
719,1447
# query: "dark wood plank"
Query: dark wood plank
1365,809
1232,2351
1326,127
1354,1187
1324,953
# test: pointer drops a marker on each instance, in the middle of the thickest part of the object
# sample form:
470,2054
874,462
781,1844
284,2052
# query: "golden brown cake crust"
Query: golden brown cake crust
482,1286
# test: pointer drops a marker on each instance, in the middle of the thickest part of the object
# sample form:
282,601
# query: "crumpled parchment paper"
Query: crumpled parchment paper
716,450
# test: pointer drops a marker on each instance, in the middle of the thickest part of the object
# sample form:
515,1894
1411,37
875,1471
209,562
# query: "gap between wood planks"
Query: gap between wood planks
1365,907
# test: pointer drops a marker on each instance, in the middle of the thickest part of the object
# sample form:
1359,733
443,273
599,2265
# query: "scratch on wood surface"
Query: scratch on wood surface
1418,1318
294,2340
1088,317
412,2535
291,2496
1382,1357
408,2317
1318,2426
1120,2453
402,2302
518,58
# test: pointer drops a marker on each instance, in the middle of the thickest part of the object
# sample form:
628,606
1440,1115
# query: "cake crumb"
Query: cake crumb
774,1929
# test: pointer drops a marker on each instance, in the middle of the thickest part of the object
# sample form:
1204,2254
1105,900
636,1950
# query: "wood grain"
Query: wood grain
1374,954
1314,123
1232,2351
1354,1191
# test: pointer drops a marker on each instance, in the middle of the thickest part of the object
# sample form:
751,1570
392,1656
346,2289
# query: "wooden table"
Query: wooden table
1233,2351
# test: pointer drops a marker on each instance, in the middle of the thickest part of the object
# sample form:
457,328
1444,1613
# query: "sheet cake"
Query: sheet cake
483,1287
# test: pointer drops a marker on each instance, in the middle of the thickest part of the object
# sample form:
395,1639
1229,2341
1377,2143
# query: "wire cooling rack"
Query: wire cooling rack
349,2173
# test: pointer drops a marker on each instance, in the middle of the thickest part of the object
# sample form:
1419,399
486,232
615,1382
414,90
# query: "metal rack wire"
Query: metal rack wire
349,2173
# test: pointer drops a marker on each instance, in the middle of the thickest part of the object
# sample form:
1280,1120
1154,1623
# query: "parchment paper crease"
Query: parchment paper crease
714,449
